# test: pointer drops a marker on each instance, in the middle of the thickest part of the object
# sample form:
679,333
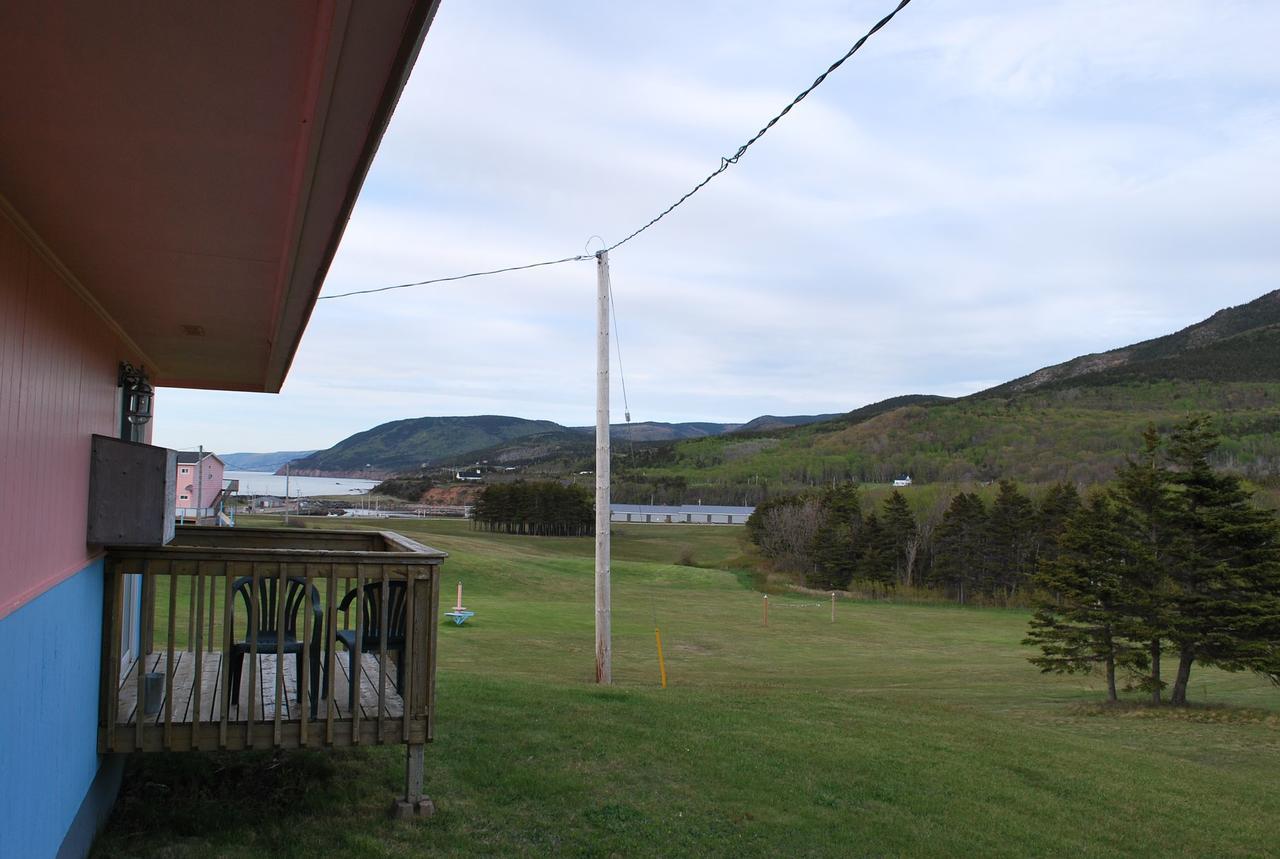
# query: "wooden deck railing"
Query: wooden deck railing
195,602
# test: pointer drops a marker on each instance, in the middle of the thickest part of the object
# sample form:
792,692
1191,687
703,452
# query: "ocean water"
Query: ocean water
265,483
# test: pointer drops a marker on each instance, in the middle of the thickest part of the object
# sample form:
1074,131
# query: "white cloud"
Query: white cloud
986,188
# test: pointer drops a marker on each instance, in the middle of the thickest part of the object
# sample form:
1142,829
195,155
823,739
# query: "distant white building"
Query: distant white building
472,474
691,514
904,480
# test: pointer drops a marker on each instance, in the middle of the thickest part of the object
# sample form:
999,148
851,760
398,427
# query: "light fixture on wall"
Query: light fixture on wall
138,393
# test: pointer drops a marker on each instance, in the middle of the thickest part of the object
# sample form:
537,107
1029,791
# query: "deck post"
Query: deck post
414,804
420,651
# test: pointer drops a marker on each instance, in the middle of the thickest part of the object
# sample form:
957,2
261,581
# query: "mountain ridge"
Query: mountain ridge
1257,321
437,441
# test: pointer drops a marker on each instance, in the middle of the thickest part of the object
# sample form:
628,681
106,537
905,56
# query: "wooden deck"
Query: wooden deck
265,689
199,595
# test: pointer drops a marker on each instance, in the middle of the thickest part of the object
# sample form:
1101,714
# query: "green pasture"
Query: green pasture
897,730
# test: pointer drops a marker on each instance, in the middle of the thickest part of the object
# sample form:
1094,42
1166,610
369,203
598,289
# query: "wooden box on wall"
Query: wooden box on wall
131,493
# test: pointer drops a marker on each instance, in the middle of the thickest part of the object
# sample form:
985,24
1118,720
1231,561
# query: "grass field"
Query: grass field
898,730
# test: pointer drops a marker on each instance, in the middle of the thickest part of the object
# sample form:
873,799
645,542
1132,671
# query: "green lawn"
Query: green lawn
900,730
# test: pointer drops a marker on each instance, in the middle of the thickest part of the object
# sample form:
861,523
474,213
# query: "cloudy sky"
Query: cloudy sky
986,188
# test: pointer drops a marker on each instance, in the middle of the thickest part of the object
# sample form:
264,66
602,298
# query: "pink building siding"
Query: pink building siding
58,385
190,483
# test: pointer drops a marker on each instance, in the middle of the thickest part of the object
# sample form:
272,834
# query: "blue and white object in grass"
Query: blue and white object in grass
460,614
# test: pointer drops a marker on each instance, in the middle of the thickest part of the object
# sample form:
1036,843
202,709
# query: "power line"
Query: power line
725,163
455,277
617,342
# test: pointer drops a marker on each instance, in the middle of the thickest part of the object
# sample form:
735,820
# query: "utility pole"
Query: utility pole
286,492
604,646
199,483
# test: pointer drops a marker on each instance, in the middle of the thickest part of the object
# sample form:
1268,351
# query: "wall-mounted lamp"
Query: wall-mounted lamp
138,393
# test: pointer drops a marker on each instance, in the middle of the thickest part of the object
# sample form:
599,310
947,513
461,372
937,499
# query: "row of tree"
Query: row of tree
973,552
1174,554
540,508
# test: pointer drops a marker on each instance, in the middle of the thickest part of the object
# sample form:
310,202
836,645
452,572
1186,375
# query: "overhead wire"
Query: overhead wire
622,376
577,258
725,164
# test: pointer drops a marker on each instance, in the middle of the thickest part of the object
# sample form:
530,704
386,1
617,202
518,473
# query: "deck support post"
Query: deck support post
414,804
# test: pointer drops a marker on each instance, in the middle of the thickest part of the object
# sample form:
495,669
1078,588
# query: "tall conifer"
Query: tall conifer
1224,604
1083,619
1144,500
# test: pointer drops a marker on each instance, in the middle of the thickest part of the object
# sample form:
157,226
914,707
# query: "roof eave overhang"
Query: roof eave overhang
319,235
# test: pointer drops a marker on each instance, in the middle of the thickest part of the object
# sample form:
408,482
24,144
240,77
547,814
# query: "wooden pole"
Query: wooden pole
662,665
199,482
604,648
766,609
459,605
833,606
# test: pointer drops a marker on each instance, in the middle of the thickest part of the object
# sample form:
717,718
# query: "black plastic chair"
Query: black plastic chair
267,635
371,640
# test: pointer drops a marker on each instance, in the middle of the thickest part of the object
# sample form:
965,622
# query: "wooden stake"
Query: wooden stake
766,609
459,605
833,606
662,666
604,648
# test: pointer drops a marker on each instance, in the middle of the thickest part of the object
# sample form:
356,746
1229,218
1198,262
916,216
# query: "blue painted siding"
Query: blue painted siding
49,661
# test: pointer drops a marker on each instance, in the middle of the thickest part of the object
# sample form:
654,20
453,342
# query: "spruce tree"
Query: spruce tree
1011,534
1058,505
875,555
1144,499
901,534
835,545
960,551
1084,619
1224,605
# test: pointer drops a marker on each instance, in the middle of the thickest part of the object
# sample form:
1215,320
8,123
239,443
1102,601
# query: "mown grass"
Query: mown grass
898,730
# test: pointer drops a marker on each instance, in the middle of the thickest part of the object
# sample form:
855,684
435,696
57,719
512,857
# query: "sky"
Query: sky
986,188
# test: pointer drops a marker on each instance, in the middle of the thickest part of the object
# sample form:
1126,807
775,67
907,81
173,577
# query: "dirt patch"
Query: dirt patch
451,496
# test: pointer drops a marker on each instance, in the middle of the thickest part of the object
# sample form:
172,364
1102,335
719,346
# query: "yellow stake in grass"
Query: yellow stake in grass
662,666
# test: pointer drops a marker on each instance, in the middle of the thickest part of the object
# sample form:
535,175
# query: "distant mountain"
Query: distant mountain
261,461
1238,344
656,431
414,443
1075,421
765,423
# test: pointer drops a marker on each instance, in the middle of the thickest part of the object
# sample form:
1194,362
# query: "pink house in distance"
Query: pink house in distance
199,487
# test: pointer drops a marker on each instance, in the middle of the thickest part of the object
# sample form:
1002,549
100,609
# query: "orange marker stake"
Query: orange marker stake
662,666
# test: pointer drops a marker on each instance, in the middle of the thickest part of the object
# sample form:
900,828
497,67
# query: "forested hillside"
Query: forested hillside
411,443
1070,422
443,442
1236,344
1073,434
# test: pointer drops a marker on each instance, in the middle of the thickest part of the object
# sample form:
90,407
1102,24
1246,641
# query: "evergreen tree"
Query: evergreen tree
1059,504
1011,541
960,552
1083,619
901,535
875,555
835,546
1143,499
1224,605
